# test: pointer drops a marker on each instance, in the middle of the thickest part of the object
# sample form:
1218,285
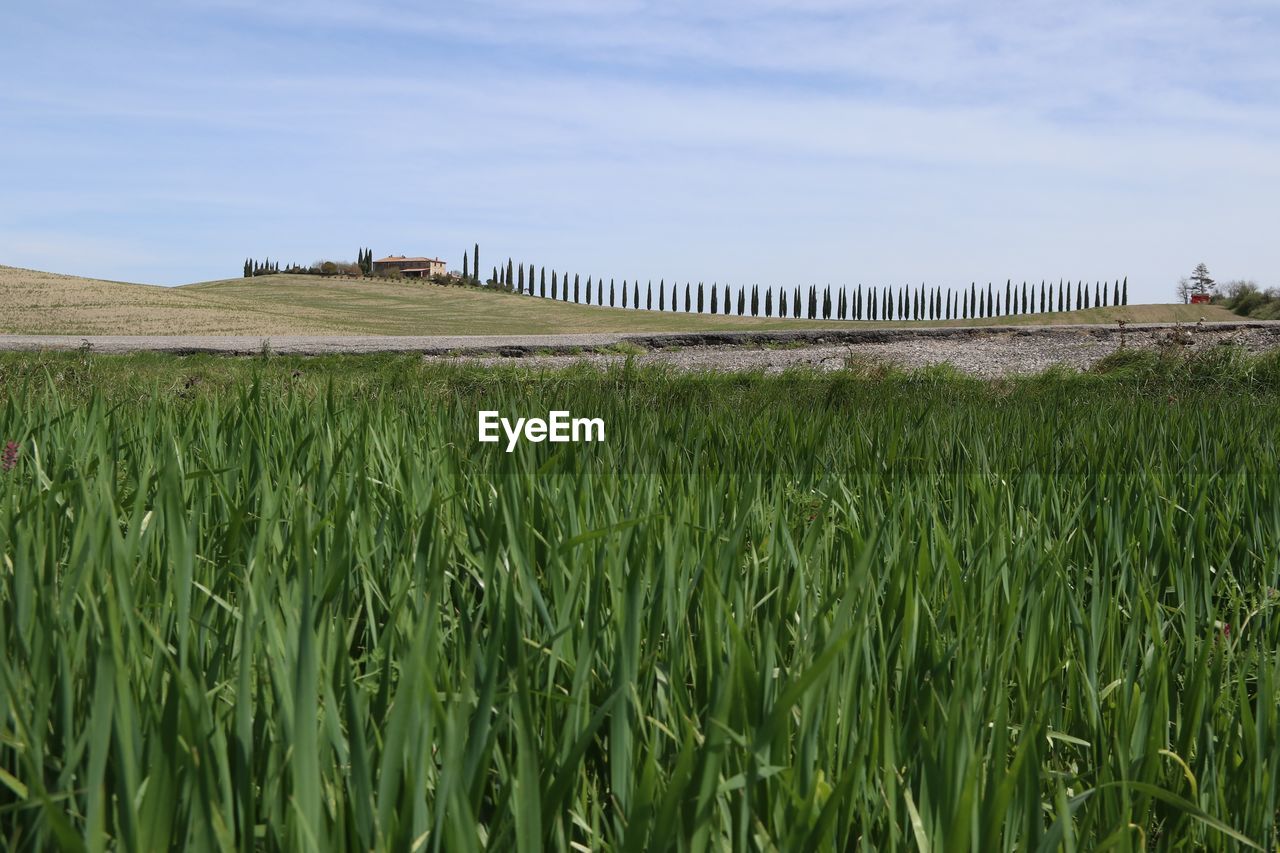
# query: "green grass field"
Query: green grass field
293,604
44,303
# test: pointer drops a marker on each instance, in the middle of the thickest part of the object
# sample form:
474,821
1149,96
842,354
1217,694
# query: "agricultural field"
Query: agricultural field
283,603
39,303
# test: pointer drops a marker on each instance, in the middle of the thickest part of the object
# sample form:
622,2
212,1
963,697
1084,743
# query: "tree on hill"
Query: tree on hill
648,296
576,288
1124,294
768,302
782,302
475,263
742,301
624,293
542,288
662,294
715,301
1200,283
588,290
555,284
688,302
1115,295
612,293
699,297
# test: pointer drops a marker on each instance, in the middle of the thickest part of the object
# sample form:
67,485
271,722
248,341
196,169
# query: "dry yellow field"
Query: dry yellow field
40,303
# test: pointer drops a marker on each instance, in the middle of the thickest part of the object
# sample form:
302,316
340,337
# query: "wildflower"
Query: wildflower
10,456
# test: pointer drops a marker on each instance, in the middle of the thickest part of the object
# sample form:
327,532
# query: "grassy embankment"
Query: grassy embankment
44,303
294,604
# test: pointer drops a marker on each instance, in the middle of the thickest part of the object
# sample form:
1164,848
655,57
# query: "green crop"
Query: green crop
247,607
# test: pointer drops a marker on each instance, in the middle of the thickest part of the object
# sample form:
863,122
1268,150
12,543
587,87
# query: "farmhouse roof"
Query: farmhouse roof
391,258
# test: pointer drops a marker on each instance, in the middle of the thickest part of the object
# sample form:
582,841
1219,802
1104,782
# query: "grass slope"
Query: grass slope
45,303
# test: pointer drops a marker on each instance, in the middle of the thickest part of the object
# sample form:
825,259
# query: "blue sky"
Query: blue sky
748,141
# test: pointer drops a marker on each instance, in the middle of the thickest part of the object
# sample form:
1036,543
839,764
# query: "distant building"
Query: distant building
412,267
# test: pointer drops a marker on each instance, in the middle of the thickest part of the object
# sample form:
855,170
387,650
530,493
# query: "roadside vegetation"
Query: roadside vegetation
1249,300
293,604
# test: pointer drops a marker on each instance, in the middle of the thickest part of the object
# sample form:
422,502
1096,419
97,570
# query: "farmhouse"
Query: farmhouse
413,267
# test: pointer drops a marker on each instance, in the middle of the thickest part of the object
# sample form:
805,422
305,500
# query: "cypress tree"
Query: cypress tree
1060,296
725,302
662,294
1096,303
1022,306
1008,296
1105,294
611,293
555,284
947,315
782,303
1041,296
624,293
991,301
520,280
755,300
688,303
742,302
509,275
648,297
915,305
635,294
1124,294
588,290
543,289
466,265
1079,295
674,287
575,288
885,304
768,302
1115,295
700,303
475,263
714,302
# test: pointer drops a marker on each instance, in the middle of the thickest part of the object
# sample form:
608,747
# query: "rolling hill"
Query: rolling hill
47,303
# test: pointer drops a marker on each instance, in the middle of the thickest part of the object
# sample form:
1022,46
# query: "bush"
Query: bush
1248,300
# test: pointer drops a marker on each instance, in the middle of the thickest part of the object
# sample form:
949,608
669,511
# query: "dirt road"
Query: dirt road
989,351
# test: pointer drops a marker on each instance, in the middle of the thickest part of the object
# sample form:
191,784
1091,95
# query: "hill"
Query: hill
51,304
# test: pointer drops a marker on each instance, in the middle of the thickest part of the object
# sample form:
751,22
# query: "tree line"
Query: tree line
904,302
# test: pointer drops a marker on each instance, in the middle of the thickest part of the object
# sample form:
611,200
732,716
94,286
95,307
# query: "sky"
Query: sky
779,142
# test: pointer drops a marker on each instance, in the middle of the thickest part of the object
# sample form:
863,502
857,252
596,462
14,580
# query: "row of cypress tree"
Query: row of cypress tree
869,303
263,267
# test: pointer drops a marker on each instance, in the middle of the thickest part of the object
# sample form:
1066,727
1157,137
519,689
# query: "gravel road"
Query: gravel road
985,351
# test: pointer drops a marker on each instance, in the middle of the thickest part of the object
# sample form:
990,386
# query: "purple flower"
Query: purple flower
10,456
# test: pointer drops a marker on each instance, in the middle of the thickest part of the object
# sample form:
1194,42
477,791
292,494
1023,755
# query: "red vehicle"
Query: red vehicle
1201,299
